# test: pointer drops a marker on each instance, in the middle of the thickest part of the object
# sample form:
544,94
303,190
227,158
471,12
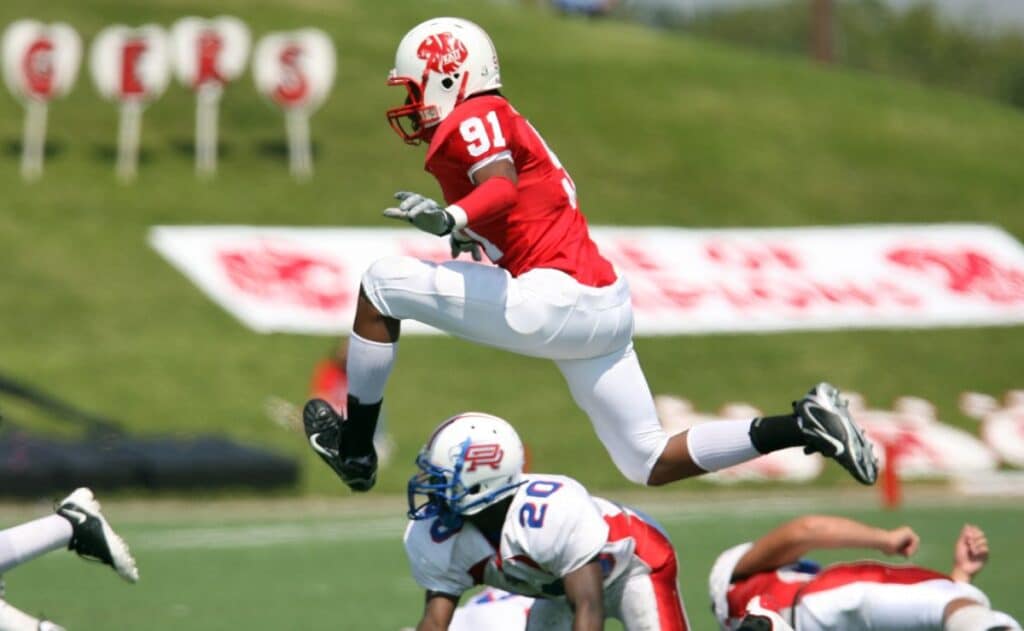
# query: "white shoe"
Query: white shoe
92,537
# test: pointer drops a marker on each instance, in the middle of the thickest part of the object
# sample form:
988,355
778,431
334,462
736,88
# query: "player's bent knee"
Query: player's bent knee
391,275
391,268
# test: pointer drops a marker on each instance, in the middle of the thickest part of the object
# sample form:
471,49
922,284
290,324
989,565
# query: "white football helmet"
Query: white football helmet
471,461
441,62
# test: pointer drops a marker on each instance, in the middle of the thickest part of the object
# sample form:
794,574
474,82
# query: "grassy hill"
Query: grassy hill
655,128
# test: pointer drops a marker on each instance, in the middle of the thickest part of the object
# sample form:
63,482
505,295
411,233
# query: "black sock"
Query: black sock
771,433
359,427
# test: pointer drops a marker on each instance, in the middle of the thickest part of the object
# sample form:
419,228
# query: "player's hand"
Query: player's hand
902,541
971,550
422,212
460,243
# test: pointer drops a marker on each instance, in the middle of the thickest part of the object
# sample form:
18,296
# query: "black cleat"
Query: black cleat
325,431
92,537
829,429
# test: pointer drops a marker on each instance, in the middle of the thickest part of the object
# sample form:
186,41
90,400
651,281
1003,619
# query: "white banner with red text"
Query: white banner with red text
306,280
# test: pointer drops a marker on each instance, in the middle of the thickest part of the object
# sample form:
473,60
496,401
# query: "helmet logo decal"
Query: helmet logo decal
443,52
489,454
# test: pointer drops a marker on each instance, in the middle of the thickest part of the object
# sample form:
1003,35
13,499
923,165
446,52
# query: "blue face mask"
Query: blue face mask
444,491
441,487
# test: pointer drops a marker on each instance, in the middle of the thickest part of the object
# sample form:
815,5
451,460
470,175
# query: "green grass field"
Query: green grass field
656,129
317,565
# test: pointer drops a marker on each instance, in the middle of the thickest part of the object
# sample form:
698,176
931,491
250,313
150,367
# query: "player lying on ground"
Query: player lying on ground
771,573
478,519
78,525
550,293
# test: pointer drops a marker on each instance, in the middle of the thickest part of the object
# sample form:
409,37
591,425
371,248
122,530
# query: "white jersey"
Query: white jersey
494,610
553,527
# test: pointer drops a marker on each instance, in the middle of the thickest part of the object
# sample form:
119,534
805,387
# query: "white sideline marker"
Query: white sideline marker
130,66
295,70
40,63
207,55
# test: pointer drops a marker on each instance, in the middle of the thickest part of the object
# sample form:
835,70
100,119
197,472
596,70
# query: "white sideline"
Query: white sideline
376,528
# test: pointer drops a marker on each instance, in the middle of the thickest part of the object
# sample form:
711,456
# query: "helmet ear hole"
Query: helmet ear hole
447,83
473,490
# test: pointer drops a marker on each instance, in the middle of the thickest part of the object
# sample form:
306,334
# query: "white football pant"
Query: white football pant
12,619
544,313
869,605
505,612
638,600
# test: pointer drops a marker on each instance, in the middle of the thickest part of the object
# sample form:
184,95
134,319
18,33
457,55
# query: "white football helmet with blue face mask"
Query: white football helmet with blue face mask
472,461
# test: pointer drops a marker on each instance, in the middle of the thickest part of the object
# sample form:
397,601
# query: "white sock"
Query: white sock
368,368
27,541
975,617
12,619
718,445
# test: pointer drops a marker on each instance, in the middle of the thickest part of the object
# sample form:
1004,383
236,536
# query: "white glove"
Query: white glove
422,212
460,243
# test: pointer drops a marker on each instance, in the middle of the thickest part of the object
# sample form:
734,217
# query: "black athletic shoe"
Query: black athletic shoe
92,537
829,430
325,431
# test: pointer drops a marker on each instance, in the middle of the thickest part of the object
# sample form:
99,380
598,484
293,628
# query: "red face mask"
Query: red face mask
413,120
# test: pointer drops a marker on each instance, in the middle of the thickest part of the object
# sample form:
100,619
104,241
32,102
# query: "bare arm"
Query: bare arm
438,611
969,554
584,589
793,539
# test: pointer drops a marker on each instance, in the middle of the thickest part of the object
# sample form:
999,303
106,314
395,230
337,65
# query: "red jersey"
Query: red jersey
545,228
780,590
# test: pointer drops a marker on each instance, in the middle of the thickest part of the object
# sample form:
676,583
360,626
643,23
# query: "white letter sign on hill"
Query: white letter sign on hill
682,281
296,70
40,63
130,66
207,55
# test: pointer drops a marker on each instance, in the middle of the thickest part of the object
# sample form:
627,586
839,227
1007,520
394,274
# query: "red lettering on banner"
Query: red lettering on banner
637,258
652,285
805,294
208,47
424,252
293,87
131,54
965,271
751,255
273,274
37,65
489,454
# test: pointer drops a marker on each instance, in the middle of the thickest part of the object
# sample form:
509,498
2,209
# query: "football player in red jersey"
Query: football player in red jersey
549,294
769,577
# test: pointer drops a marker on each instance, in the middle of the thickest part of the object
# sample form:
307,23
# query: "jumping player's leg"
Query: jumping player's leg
613,392
544,313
